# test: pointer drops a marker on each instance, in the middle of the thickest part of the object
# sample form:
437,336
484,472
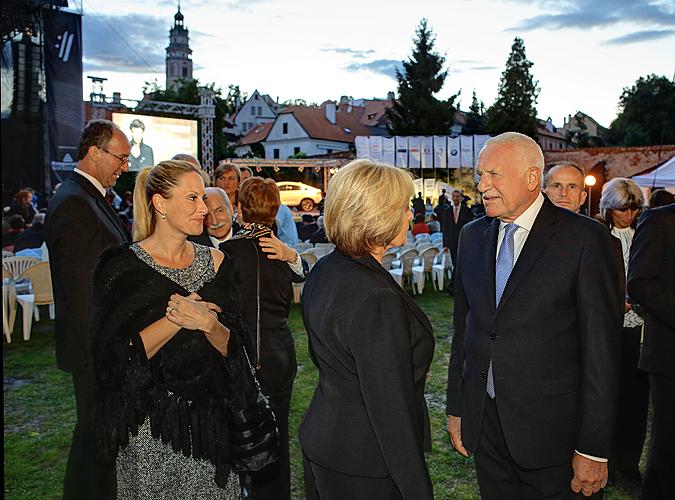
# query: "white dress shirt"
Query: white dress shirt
97,184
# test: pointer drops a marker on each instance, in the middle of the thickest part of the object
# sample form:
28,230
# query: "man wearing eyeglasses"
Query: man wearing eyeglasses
79,226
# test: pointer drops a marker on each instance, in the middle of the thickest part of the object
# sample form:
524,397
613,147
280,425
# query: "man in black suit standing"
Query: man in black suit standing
454,219
651,283
79,226
533,368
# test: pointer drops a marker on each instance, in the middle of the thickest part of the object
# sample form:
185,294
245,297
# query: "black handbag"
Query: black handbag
254,436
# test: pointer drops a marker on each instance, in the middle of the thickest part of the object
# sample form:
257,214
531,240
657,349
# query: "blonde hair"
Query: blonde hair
160,179
364,206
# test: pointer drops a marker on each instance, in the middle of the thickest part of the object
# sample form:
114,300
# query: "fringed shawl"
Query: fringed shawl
188,388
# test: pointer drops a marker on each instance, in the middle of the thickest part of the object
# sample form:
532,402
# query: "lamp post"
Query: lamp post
589,180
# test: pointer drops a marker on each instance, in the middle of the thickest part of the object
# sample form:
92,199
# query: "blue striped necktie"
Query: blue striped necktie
502,273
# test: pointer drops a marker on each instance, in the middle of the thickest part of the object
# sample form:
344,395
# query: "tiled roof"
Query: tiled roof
313,119
257,134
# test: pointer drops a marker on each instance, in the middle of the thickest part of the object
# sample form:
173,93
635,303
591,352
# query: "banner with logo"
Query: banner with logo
63,74
427,152
414,152
362,144
401,152
376,147
466,151
440,151
388,150
478,143
453,152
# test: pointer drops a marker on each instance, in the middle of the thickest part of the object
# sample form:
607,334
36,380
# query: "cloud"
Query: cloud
130,43
386,67
586,14
639,36
349,52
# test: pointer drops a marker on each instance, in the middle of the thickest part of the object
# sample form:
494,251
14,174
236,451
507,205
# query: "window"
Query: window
284,128
244,126
256,97
275,153
329,151
296,150
253,110
259,110
250,125
185,72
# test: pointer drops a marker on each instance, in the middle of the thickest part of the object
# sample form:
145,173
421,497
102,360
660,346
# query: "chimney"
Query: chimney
330,111
390,96
343,100
117,98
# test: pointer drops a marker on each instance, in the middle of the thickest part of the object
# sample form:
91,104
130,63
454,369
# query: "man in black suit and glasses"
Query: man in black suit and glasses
533,368
79,226
651,283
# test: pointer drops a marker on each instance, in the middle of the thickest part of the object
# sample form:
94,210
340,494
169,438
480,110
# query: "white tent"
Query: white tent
663,176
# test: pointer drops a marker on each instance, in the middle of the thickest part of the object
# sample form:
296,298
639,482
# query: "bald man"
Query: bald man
534,361
564,185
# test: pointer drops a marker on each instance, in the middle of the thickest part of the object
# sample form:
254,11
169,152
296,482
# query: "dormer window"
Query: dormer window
284,128
347,131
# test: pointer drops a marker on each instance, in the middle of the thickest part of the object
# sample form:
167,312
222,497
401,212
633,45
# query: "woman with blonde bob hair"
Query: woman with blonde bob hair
167,347
621,203
367,426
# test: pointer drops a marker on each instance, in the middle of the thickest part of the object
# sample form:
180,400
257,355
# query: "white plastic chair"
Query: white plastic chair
7,253
310,257
8,304
301,247
404,272
422,236
328,247
438,271
423,267
435,237
17,265
41,282
297,292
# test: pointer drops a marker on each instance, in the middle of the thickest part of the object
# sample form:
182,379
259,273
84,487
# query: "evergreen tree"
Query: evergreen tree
515,108
475,118
646,113
417,111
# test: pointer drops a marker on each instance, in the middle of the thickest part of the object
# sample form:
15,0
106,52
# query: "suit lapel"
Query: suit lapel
102,204
541,232
490,235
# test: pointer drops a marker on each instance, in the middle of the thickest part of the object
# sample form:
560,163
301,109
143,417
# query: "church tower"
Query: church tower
178,53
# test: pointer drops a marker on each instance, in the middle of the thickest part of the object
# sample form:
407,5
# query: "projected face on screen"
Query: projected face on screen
156,138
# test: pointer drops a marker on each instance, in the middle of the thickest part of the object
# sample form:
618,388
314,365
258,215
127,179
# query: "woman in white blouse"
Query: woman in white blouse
620,205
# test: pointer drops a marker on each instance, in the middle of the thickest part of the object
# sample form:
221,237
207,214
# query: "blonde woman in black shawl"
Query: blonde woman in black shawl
167,339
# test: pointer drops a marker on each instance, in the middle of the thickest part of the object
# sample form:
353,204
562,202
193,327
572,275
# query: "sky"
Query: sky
584,51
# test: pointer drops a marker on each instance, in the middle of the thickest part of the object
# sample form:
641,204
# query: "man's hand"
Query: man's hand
455,431
590,476
277,249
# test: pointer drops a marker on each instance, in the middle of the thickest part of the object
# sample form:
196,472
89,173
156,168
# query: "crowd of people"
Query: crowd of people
173,323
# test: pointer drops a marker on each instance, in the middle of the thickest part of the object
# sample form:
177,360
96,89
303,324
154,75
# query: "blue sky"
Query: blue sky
584,51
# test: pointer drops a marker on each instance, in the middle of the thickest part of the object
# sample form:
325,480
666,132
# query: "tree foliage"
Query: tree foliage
515,108
646,113
475,118
417,111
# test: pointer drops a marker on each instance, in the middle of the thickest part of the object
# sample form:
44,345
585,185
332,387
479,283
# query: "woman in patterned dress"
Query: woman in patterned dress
167,347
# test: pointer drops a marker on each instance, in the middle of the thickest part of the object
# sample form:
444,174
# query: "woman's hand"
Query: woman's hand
193,313
277,249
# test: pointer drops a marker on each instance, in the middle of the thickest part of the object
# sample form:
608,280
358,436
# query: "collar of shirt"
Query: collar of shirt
525,221
216,242
97,184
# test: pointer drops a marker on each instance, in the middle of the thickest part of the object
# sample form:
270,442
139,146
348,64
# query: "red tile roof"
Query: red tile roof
313,119
257,134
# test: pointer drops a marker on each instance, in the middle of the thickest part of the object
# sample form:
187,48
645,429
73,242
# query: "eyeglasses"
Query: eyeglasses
632,206
122,159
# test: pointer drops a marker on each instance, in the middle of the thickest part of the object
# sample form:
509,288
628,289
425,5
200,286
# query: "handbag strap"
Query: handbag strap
257,296
250,367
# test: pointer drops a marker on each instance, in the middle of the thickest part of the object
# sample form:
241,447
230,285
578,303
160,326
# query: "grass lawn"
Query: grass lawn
39,413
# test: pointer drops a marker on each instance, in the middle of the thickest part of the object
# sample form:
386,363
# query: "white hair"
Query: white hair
529,151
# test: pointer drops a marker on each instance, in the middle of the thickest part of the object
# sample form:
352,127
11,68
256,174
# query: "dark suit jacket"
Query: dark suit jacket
78,227
276,292
553,339
651,283
373,346
451,229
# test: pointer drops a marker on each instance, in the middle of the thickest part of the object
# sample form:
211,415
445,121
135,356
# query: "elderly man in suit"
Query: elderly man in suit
533,368
651,283
79,226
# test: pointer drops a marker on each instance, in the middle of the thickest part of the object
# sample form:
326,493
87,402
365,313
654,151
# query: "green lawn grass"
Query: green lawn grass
39,413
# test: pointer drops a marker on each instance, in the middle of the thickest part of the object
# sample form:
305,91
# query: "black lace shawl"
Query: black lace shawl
188,388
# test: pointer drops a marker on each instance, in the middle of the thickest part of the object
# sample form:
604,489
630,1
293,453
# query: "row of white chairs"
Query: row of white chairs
310,253
36,272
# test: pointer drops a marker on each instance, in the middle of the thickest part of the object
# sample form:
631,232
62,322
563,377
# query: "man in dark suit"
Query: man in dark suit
454,219
79,226
533,368
651,283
